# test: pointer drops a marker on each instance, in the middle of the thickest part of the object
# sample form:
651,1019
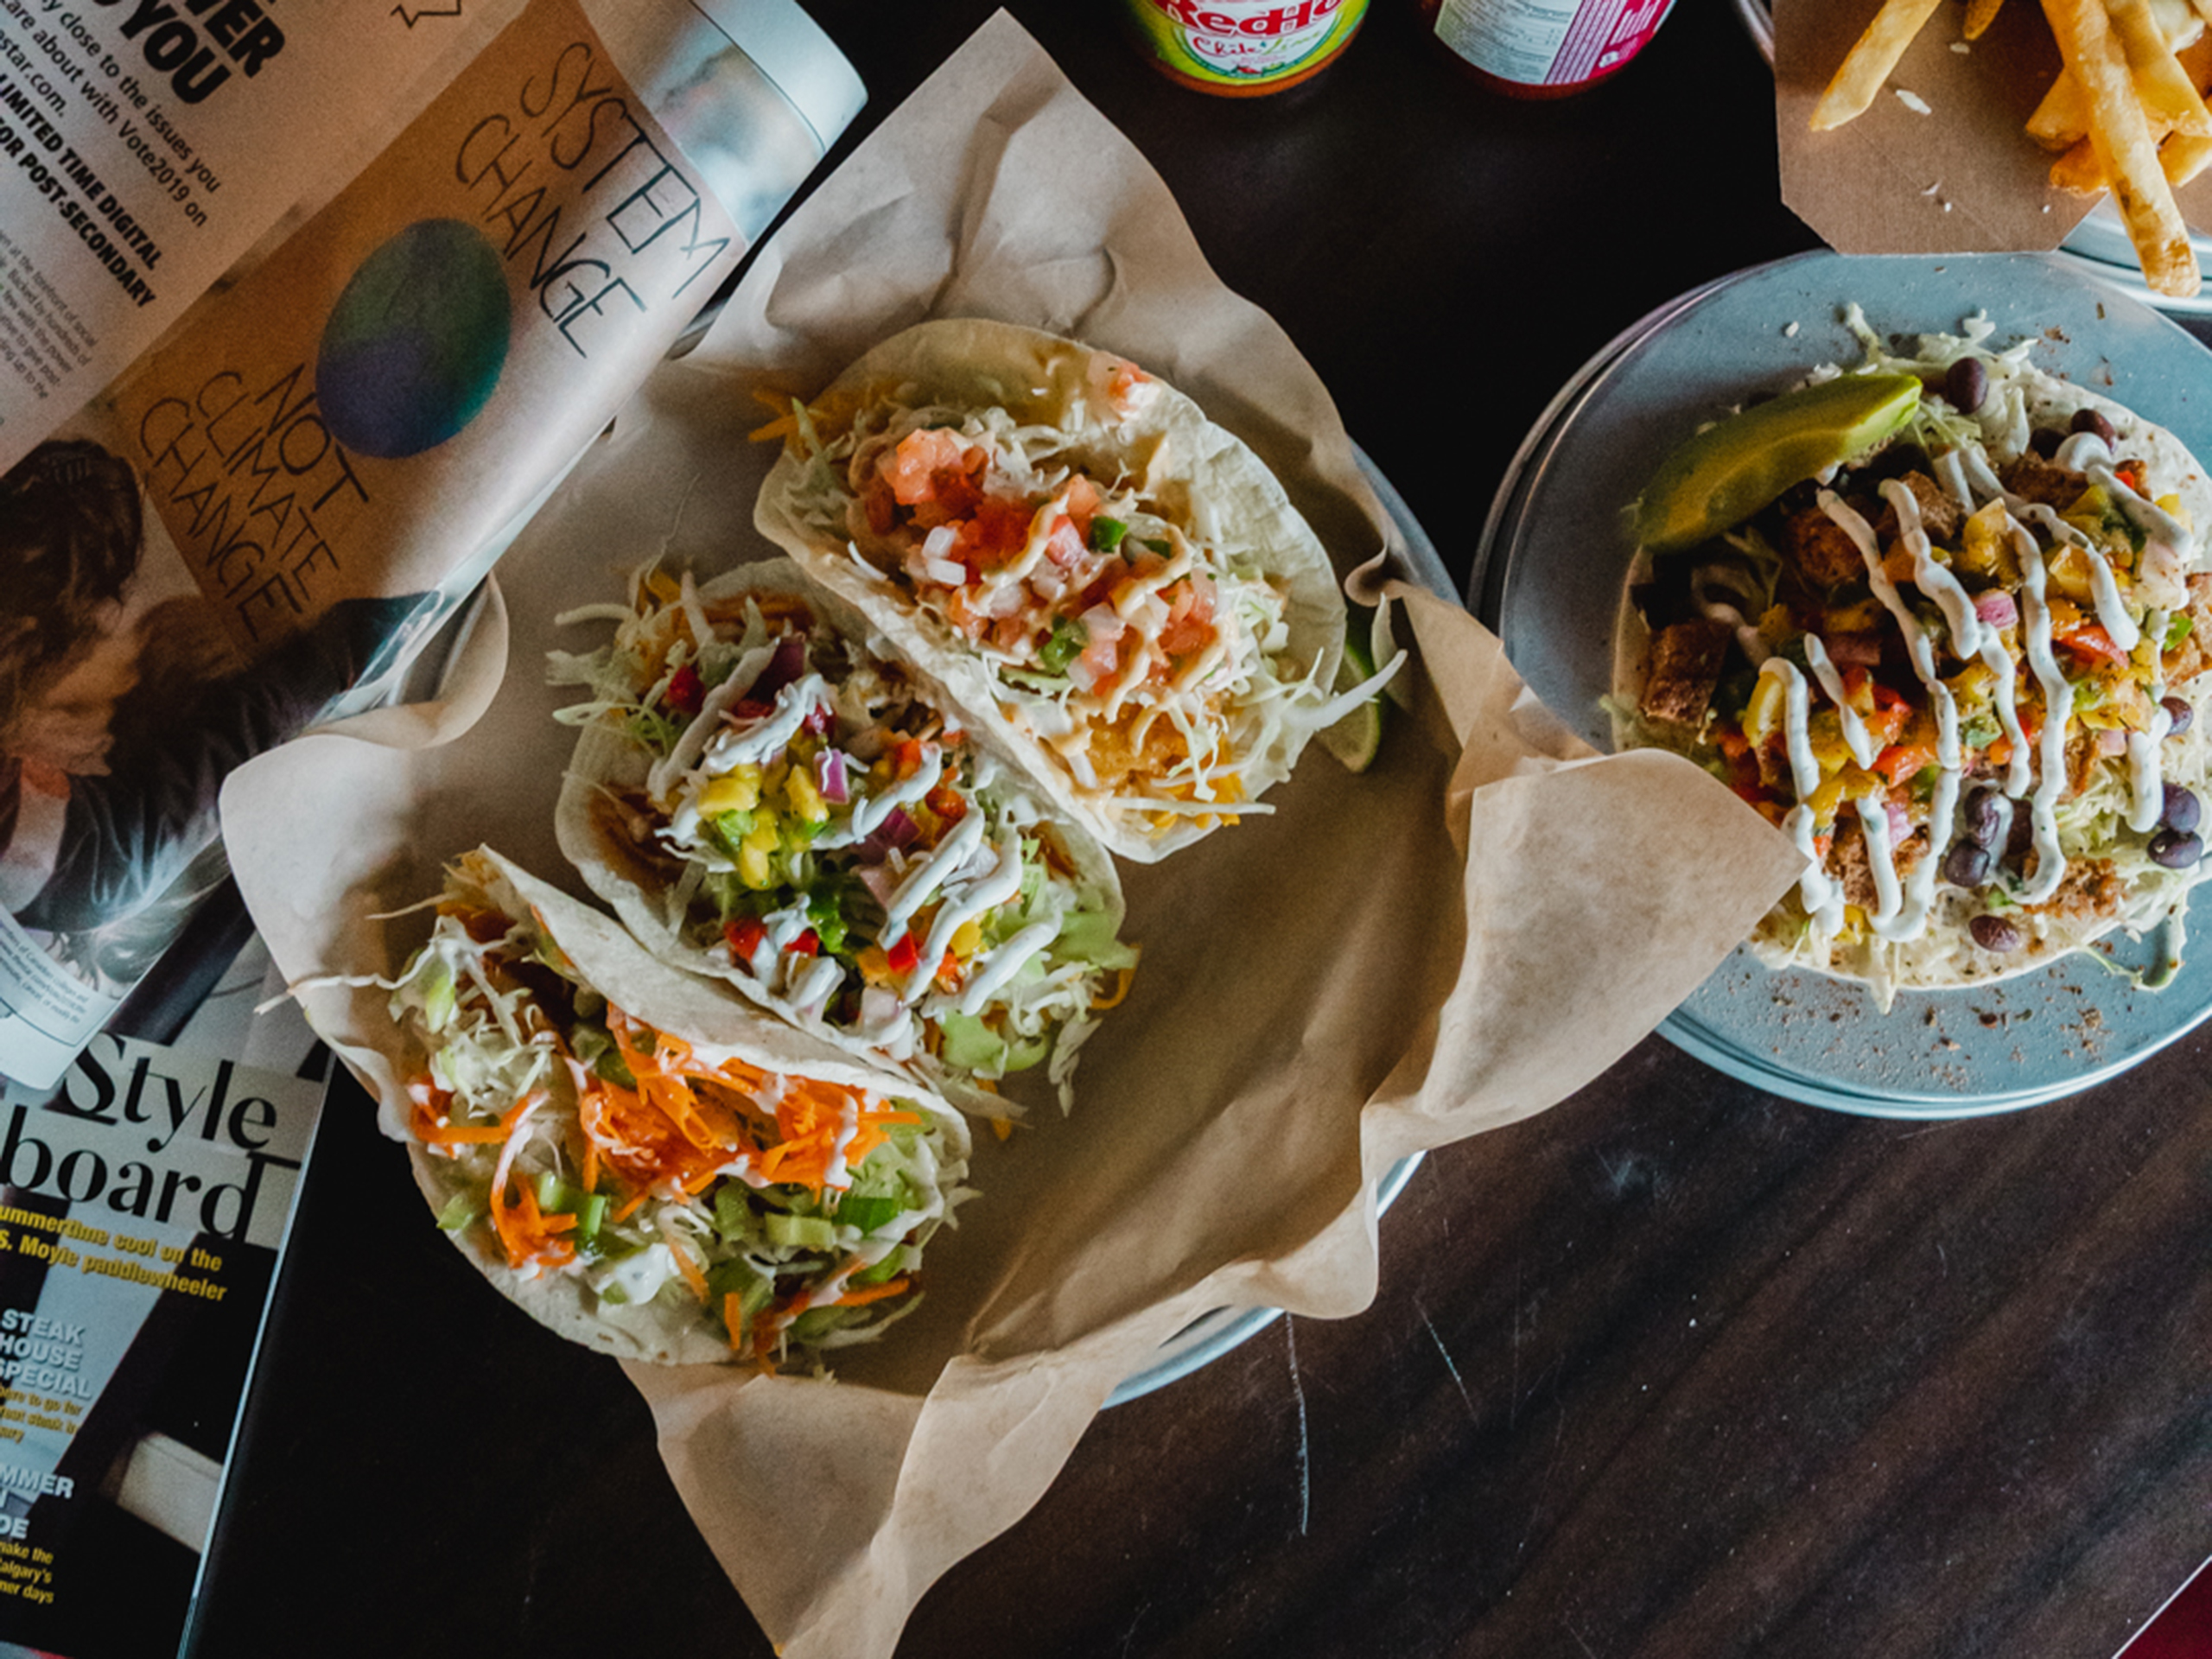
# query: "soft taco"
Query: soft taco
765,801
1964,666
643,1164
1116,592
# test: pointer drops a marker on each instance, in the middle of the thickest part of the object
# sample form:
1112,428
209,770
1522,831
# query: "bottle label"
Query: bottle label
1548,42
1240,43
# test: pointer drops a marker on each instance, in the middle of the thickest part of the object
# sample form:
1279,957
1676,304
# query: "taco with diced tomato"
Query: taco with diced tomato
1116,591
1964,666
648,1166
767,801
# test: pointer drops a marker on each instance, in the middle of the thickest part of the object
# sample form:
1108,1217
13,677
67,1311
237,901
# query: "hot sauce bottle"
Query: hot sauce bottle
1543,48
1242,48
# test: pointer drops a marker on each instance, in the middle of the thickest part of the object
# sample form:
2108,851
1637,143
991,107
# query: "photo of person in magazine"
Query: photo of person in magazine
122,710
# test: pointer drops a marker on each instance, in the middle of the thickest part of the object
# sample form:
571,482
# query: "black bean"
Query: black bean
1967,385
2176,850
1967,865
1995,933
2183,810
2179,712
2045,440
2087,420
1988,816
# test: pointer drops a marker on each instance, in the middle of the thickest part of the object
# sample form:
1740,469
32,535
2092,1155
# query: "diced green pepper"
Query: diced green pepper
1070,640
1106,534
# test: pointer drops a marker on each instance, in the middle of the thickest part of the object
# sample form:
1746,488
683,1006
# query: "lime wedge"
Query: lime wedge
1355,738
1728,472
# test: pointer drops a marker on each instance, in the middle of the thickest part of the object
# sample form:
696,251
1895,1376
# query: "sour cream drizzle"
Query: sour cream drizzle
1856,737
2058,713
1822,898
1902,913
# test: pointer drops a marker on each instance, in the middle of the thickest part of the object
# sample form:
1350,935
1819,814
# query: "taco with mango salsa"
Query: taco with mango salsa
766,801
646,1166
1964,670
1116,591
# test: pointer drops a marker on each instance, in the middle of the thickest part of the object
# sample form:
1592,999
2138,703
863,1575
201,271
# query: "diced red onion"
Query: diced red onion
829,776
786,665
1900,825
1996,608
881,880
879,1007
1104,622
939,543
897,830
2112,742
946,573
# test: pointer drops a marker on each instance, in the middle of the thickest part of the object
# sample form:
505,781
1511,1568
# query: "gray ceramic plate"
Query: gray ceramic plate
1547,577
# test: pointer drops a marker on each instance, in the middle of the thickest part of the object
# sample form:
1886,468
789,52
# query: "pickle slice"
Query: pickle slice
1735,467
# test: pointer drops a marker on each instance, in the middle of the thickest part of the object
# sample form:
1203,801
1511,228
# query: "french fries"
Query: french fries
2126,149
1869,62
2127,113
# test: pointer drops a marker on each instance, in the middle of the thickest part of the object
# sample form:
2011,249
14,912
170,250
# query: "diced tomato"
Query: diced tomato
1065,547
1902,762
744,934
1101,660
751,709
947,803
1885,698
906,756
686,690
961,612
1886,724
901,957
1189,627
913,468
808,944
1083,500
2090,639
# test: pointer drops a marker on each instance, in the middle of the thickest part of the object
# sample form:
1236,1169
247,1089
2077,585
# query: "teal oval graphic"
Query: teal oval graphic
415,344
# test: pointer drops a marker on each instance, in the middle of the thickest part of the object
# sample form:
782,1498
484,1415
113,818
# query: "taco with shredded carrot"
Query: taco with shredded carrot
766,801
1116,591
646,1166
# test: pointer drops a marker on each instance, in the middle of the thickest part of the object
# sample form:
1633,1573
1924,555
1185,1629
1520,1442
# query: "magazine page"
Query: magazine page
144,1205
261,521
144,144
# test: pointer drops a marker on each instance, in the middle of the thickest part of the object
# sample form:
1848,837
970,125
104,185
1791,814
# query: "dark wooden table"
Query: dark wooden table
1675,1369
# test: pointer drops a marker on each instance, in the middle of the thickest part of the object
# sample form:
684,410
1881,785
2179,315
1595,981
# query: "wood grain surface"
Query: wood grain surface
1675,1368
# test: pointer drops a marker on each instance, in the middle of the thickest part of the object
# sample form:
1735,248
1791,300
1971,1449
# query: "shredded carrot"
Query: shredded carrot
733,1317
686,1263
1121,991
868,1293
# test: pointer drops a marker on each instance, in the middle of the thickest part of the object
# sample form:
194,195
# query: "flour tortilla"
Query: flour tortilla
604,957
1195,474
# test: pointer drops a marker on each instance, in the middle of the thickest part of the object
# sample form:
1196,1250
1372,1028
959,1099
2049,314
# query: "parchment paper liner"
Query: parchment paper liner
1963,178
1324,990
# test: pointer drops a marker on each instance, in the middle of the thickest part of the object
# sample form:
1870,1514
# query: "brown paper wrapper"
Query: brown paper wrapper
1963,178
1460,937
